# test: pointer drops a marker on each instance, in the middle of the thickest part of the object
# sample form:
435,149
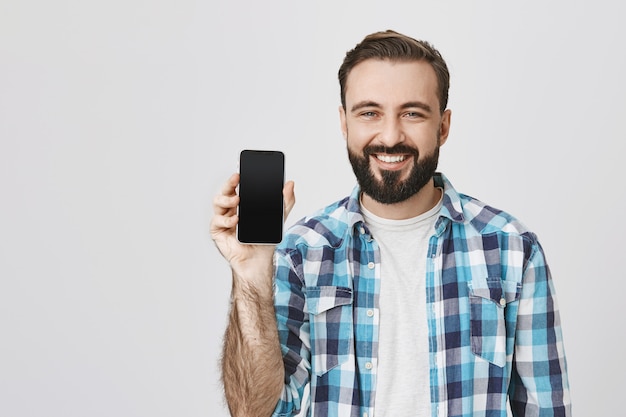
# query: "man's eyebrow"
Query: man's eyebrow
363,104
407,105
417,104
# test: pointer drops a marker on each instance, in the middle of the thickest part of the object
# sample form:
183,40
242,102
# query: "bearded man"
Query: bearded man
406,298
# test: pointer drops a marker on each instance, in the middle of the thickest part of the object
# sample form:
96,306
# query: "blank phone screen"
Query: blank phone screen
261,196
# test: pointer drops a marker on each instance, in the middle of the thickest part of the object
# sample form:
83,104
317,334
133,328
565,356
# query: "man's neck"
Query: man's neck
424,200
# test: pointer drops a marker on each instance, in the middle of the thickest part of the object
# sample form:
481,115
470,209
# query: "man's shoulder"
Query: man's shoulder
325,227
487,219
471,212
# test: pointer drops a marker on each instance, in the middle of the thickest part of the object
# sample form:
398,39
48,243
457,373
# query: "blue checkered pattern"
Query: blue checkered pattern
494,327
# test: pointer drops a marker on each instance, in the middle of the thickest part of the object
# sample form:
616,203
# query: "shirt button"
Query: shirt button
362,230
370,313
371,265
368,365
502,302
365,414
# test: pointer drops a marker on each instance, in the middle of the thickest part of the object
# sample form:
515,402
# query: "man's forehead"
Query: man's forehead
381,80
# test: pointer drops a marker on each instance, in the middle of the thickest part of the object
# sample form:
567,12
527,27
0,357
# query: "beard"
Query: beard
390,188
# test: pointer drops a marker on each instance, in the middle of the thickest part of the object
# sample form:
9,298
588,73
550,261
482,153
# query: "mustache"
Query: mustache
399,149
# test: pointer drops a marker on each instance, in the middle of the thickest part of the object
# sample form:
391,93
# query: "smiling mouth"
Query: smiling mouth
390,159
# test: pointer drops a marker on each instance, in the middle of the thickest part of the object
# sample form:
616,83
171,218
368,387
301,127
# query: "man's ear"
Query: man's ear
342,119
444,127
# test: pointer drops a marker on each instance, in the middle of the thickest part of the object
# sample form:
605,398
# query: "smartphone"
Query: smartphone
261,180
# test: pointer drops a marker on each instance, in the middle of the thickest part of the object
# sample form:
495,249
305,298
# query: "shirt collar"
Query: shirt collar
450,209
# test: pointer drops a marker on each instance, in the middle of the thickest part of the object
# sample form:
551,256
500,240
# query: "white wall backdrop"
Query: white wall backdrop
119,120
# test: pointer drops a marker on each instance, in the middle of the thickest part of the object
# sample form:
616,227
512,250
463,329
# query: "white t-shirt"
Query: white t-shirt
403,387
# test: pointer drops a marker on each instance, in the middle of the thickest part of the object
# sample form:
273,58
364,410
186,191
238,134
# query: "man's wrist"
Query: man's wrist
254,277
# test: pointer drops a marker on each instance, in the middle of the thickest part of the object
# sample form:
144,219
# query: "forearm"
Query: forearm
252,366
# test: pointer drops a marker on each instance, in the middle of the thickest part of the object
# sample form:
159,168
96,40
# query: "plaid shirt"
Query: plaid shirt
494,327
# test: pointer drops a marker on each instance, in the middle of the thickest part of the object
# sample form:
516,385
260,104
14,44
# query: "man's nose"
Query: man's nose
391,133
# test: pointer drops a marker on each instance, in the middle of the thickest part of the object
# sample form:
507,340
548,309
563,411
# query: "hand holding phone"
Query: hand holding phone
262,176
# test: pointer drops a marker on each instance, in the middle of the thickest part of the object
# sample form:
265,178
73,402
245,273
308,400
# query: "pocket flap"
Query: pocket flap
499,291
320,299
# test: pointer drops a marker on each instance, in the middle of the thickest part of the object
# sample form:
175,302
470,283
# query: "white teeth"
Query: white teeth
391,158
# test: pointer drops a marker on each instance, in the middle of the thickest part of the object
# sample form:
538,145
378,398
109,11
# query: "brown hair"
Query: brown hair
396,47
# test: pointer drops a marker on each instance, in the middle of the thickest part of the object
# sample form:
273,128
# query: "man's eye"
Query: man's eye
368,114
413,114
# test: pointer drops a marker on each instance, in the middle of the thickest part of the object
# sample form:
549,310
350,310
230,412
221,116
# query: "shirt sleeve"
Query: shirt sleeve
539,384
293,331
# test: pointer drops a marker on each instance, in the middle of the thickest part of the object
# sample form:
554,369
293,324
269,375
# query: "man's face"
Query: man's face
393,127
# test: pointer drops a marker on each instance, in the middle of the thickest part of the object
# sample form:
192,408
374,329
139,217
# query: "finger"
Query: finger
289,197
229,188
223,204
220,224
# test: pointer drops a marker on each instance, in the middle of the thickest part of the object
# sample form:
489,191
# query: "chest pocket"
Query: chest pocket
488,300
330,310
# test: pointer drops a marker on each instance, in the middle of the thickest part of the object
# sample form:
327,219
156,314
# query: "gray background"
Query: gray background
119,121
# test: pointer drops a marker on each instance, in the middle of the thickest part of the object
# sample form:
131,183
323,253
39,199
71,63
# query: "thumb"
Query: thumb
289,197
